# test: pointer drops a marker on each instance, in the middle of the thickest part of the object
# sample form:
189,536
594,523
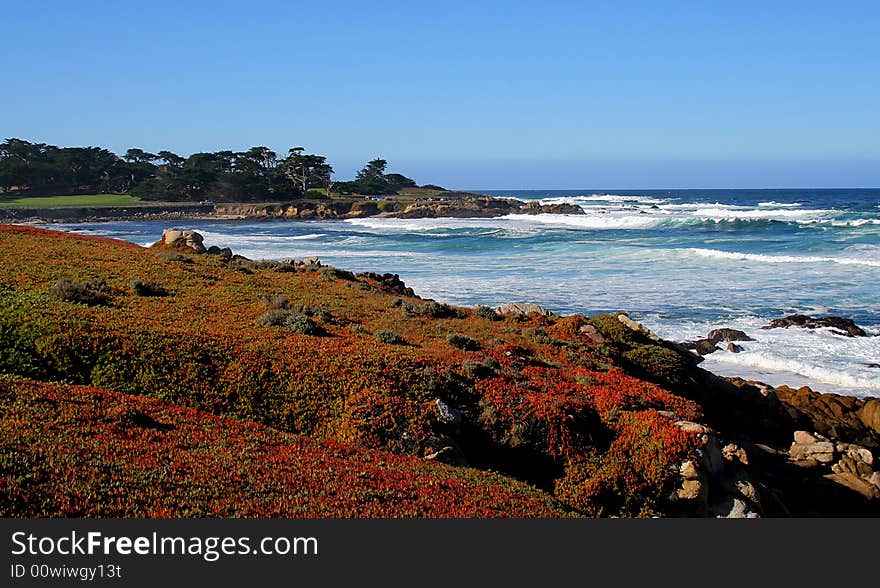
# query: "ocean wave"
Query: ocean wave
770,362
612,198
774,204
589,221
763,258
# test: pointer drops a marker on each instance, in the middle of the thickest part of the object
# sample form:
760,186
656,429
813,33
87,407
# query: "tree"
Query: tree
306,171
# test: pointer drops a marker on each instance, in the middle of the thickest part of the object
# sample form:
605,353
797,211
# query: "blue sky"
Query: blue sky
466,94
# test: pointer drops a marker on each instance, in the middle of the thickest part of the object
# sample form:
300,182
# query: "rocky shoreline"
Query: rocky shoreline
455,205
766,451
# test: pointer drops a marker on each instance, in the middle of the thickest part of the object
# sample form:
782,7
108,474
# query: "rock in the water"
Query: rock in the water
719,335
701,346
522,309
733,347
842,326
535,207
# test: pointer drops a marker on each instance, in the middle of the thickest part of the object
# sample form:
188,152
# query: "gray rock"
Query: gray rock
447,414
592,334
718,335
522,309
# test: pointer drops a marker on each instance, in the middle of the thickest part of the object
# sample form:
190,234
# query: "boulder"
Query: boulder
522,309
719,335
183,240
390,283
592,334
804,438
732,507
535,207
701,346
733,347
735,453
856,484
638,327
447,414
821,451
849,465
841,326
844,418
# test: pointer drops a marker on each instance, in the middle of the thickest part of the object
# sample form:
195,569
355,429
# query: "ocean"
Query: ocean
682,262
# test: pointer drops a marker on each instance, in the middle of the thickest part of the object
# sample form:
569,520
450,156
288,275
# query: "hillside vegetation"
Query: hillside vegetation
224,386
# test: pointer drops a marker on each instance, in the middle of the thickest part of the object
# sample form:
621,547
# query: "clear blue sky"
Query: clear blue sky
469,94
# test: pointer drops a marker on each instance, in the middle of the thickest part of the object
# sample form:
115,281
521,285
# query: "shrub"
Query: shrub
389,337
147,288
90,292
334,273
487,313
301,324
275,301
314,312
539,336
658,363
432,309
289,319
172,256
462,342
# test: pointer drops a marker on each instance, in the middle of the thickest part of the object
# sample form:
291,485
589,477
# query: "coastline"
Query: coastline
455,205
731,448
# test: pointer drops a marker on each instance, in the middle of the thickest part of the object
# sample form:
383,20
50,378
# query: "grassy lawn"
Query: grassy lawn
61,201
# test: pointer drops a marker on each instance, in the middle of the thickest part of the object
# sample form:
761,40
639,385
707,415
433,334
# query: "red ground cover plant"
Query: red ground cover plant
531,382
80,451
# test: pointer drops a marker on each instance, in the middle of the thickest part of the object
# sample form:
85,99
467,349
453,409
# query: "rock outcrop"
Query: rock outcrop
474,206
522,309
179,239
841,326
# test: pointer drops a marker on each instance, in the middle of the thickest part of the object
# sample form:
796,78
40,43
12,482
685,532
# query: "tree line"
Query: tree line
258,174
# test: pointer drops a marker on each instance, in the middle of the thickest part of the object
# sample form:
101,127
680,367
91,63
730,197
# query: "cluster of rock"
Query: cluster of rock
709,344
852,465
747,465
841,326
717,482
390,283
481,207
300,210
307,263
191,242
522,309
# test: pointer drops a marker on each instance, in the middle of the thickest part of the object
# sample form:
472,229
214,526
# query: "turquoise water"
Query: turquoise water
682,262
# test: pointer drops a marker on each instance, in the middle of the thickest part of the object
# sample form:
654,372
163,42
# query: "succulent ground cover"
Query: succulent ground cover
303,367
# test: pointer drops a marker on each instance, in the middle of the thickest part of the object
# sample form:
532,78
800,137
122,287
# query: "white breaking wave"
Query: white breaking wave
608,220
775,363
774,204
759,257
614,198
796,357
